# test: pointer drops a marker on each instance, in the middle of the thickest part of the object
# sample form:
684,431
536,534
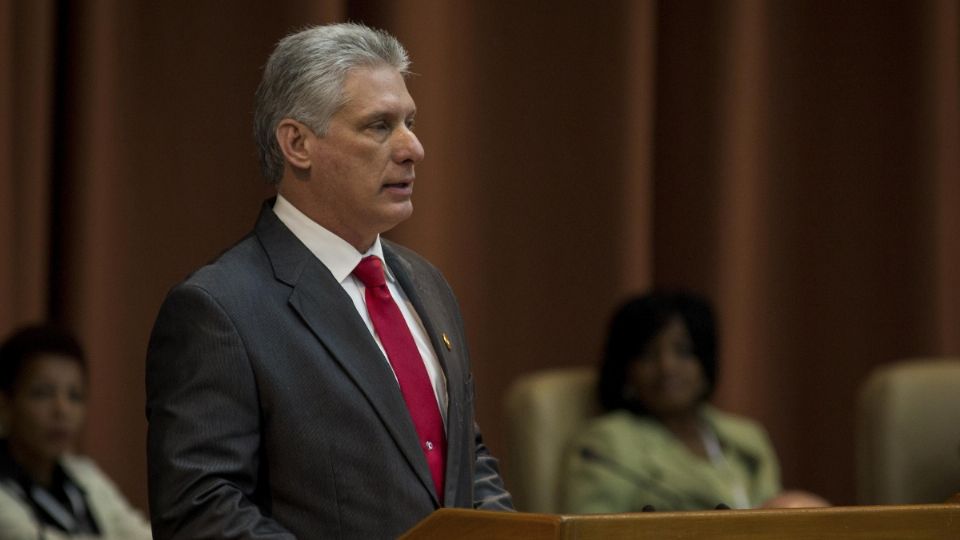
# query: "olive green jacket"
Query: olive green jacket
622,462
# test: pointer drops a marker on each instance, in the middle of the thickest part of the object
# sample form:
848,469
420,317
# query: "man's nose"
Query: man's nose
408,148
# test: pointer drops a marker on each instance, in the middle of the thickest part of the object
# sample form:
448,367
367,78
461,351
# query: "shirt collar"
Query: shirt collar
334,252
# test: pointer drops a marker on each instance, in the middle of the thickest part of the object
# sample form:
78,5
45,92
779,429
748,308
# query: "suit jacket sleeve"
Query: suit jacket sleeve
203,436
489,492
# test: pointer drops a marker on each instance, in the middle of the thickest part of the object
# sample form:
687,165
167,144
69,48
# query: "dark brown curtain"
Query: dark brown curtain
26,90
795,161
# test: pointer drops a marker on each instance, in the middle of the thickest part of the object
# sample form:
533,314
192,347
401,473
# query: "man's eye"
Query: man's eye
380,126
411,123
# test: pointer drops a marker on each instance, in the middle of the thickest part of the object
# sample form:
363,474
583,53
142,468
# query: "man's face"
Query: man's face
360,181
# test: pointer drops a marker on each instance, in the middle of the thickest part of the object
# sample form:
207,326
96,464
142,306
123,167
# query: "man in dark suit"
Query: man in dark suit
314,381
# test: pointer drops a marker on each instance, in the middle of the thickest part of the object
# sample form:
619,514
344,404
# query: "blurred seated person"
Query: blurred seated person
660,444
46,492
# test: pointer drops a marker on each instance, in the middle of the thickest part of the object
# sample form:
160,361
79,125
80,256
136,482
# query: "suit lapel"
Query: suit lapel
432,313
330,314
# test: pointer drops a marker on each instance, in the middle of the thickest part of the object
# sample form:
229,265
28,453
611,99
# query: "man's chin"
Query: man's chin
398,213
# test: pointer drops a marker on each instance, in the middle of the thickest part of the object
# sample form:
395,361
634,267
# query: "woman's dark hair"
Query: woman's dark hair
31,341
638,321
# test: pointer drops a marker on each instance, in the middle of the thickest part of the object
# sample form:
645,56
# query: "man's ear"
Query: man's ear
293,138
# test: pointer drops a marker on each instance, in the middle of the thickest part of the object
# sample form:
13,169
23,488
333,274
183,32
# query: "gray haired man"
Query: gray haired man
314,380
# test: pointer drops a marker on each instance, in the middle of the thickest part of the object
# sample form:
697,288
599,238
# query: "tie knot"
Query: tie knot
370,272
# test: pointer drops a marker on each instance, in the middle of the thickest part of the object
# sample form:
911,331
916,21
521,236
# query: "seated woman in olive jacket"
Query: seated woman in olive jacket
661,444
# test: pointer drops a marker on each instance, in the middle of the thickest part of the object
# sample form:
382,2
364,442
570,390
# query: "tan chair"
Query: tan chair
908,433
544,410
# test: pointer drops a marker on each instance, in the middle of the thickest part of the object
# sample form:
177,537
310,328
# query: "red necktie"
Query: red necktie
408,366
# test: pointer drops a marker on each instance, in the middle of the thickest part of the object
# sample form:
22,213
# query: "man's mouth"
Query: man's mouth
399,186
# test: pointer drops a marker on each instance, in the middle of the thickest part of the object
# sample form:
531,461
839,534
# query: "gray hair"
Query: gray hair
303,80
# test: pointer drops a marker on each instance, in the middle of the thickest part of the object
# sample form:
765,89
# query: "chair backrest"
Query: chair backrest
908,433
544,410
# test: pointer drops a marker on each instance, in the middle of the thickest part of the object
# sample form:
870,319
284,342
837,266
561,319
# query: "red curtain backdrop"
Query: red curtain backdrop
795,161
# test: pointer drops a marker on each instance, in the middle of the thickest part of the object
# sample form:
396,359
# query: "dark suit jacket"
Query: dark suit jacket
273,414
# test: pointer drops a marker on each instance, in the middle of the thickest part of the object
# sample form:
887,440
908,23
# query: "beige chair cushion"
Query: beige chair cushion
544,411
908,433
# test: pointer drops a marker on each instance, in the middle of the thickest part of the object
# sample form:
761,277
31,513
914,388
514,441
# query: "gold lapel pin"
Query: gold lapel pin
446,341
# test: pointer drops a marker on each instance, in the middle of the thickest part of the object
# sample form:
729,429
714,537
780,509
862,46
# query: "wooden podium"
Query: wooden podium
910,522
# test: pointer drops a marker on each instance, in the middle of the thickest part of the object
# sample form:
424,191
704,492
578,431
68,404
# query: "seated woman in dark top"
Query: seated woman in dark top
45,492
661,443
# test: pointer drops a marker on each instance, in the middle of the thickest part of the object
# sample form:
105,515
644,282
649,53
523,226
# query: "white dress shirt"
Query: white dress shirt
341,258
